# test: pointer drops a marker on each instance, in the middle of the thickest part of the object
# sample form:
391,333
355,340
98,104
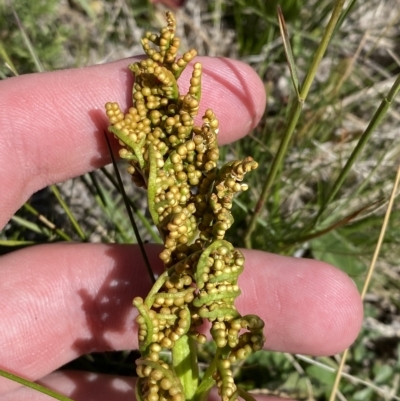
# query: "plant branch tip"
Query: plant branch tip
190,200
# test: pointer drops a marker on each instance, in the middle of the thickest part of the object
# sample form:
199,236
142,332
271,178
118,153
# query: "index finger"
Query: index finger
52,123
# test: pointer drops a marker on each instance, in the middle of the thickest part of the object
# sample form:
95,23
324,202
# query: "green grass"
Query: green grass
328,183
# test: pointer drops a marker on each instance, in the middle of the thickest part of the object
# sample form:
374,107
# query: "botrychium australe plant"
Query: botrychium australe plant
190,200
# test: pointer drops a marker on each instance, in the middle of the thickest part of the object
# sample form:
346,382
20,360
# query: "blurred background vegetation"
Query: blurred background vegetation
297,217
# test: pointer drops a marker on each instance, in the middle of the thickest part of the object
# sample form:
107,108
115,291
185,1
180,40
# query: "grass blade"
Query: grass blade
369,276
7,60
293,119
346,12
28,224
376,119
288,52
15,243
322,48
27,41
108,206
68,211
34,386
335,225
245,395
353,379
47,223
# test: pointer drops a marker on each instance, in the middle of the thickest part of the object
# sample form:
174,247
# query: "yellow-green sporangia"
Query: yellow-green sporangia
190,200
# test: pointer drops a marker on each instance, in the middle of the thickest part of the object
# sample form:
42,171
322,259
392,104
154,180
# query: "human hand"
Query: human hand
60,301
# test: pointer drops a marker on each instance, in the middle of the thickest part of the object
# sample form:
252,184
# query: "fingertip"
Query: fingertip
234,91
309,306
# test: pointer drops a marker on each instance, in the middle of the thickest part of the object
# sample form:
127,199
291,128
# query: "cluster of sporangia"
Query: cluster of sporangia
189,200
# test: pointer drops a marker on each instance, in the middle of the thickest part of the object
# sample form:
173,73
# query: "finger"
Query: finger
52,124
85,386
62,301
309,307
79,386
74,299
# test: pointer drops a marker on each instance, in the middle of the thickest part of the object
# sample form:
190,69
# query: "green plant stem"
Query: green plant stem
294,113
321,49
184,359
346,12
207,381
34,386
375,121
293,119
245,395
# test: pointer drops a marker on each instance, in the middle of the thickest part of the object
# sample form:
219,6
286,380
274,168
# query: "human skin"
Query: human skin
60,301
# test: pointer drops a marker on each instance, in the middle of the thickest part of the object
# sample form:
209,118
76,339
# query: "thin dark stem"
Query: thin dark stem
130,214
